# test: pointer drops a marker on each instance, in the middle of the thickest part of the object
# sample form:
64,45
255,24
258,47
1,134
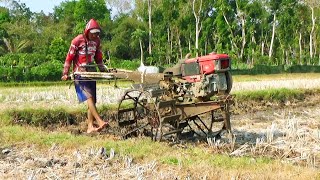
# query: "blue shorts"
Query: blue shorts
86,89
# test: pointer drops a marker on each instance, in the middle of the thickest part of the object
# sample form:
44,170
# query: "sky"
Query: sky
38,5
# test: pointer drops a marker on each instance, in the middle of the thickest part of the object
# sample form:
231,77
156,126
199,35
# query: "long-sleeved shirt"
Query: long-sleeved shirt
79,56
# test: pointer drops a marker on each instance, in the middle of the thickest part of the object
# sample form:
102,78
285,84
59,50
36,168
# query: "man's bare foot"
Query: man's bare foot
103,125
92,129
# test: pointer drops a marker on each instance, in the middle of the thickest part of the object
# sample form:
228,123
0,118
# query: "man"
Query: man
84,50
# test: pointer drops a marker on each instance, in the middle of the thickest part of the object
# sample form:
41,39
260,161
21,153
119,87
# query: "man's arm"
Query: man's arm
70,57
99,59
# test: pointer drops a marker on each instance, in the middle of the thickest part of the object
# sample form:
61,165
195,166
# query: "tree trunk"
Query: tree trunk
262,43
241,15
171,45
168,45
273,34
234,45
253,51
262,48
300,48
205,47
243,37
189,42
180,48
198,29
150,27
313,19
141,51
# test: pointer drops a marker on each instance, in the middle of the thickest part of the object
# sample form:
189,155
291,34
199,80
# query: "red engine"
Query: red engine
202,77
193,69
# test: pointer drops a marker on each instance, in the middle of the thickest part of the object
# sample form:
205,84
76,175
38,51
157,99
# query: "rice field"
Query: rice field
290,135
53,96
274,84
64,96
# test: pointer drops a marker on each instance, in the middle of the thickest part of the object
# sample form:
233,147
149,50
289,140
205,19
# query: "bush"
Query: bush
125,64
58,50
303,69
49,71
22,59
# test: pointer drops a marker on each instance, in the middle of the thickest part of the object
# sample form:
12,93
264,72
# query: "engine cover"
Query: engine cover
201,77
193,69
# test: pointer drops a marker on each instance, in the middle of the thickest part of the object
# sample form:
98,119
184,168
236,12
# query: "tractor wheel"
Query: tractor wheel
229,82
209,125
137,114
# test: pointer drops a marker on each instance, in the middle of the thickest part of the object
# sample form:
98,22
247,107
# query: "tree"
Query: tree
196,9
139,35
120,6
4,15
225,24
57,49
19,11
312,4
121,35
241,14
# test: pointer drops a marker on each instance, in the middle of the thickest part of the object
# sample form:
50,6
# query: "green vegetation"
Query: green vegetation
269,37
29,135
272,95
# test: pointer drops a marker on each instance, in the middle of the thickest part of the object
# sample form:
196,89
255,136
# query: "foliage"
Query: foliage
125,64
57,50
47,71
255,34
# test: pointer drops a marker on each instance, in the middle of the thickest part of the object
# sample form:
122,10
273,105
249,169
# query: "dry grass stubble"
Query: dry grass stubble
290,135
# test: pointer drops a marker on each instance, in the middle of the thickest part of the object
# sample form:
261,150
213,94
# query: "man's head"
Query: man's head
92,29
93,33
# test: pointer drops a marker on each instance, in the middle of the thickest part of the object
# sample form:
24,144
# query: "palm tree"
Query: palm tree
14,46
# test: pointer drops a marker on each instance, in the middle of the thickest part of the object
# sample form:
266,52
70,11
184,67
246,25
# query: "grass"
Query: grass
197,160
278,95
30,135
139,149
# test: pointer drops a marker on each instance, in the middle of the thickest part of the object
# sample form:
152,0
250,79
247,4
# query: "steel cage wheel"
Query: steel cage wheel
229,82
207,125
137,114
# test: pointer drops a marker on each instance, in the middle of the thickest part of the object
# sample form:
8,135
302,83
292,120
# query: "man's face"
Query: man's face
93,36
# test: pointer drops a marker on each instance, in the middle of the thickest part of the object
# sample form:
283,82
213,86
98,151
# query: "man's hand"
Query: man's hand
64,77
103,68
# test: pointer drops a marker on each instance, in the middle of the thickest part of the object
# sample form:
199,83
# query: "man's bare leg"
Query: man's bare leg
92,110
90,120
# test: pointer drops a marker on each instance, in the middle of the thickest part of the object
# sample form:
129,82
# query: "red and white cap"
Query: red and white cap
94,31
92,27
